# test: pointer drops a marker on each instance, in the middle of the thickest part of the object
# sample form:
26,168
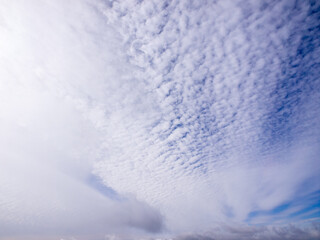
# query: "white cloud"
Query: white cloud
55,76
211,70
186,105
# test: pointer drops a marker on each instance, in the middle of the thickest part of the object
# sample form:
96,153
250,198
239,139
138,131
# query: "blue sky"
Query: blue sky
159,119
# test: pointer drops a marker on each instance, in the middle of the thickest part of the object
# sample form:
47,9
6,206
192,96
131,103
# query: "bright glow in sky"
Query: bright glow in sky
159,119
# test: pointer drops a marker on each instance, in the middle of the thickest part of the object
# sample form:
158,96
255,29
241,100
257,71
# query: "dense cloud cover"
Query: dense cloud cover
194,119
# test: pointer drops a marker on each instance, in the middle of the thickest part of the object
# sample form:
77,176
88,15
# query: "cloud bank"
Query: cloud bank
52,63
173,116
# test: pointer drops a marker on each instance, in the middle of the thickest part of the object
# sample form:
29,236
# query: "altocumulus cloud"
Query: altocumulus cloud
195,117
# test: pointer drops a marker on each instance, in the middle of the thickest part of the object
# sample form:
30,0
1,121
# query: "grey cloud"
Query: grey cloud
244,232
291,232
195,237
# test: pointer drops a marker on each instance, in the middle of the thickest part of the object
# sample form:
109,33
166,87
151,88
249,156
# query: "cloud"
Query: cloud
53,67
158,115
250,232
223,131
233,231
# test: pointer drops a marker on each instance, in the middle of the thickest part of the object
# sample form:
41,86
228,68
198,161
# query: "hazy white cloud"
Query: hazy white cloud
55,66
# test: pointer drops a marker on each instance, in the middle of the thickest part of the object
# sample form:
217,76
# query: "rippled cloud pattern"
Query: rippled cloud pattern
170,119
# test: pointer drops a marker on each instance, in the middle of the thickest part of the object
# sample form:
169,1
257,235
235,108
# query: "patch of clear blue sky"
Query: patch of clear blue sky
308,205
95,182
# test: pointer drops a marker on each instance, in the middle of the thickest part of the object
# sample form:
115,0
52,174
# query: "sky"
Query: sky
159,120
